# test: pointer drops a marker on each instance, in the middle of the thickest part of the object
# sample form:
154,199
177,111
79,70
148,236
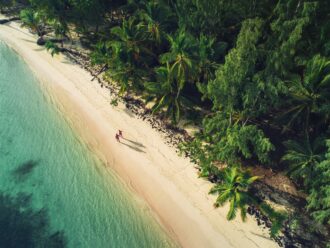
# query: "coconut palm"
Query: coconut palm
60,30
133,41
52,47
126,54
206,64
32,20
310,94
277,218
234,189
158,19
182,57
303,156
167,92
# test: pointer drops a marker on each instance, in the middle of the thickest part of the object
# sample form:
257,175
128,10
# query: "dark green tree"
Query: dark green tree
310,95
303,157
167,92
319,197
33,20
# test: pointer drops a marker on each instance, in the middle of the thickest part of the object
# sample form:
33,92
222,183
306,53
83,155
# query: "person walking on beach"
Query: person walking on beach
117,137
120,133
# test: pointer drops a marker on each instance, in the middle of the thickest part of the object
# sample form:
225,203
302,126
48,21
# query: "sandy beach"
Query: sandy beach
168,183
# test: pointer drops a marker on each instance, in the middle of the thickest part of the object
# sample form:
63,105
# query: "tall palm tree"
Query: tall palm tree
131,34
234,189
32,20
206,64
127,54
310,94
158,19
60,30
167,92
182,57
303,157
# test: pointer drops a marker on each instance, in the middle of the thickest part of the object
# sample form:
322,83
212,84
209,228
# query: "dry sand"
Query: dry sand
167,182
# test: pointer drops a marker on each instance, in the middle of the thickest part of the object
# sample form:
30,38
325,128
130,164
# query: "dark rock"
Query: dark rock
41,41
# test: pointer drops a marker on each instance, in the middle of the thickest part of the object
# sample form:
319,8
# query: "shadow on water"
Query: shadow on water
25,169
23,227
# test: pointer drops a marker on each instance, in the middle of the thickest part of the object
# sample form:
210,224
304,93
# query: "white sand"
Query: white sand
167,182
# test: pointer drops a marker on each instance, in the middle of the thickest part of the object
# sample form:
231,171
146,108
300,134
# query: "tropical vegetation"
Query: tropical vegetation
255,73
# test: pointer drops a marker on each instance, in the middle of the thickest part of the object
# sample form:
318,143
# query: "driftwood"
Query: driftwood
56,40
103,69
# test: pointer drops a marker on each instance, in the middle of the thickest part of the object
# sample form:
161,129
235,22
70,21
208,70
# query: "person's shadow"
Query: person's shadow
136,145
134,142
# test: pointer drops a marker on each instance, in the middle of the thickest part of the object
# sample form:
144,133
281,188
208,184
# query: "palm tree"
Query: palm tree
303,157
277,218
310,94
133,40
126,55
158,19
167,92
60,30
32,19
206,53
234,189
52,47
183,57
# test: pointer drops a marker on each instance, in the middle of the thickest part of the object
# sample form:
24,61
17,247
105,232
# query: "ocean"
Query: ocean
54,192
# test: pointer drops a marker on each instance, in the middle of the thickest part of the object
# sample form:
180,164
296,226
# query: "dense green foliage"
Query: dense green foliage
32,20
319,192
257,71
234,188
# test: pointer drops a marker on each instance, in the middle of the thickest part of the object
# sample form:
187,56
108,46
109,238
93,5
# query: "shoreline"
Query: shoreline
168,183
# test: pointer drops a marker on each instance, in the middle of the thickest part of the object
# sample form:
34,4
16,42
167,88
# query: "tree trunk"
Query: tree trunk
102,70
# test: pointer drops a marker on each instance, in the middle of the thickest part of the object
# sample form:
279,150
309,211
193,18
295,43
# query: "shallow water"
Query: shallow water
53,191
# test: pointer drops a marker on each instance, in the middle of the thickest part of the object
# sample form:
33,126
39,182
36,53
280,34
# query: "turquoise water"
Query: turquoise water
53,191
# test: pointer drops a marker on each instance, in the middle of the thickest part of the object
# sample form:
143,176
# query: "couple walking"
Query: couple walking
118,135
